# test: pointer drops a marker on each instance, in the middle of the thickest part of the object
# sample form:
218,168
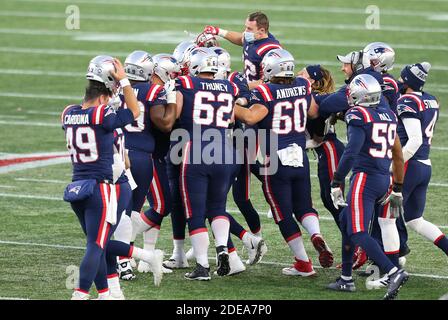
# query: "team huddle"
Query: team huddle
165,128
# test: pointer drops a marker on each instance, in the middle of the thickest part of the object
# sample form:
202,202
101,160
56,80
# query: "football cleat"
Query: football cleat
199,273
359,258
300,268
325,254
380,283
402,262
176,263
125,271
78,295
396,281
342,285
256,249
143,267
269,214
236,265
223,264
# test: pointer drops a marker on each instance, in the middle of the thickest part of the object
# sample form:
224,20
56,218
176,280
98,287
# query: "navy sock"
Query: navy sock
442,243
118,248
101,275
373,250
89,266
235,228
111,262
230,245
393,257
179,222
347,256
250,214
288,227
153,216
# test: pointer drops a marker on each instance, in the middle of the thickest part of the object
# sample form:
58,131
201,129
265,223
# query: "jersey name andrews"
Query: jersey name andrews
290,92
73,119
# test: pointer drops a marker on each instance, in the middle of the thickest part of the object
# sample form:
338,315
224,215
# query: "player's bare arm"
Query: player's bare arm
313,111
163,116
251,116
397,161
232,36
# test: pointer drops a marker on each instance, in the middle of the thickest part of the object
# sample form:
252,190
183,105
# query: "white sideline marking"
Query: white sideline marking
57,246
29,123
240,6
42,180
48,113
38,96
6,156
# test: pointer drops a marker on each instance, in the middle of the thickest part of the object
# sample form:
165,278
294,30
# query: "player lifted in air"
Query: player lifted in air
256,41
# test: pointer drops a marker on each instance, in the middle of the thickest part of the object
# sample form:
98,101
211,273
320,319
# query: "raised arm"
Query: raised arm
128,92
232,36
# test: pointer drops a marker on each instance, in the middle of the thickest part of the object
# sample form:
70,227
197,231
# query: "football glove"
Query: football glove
170,88
211,30
395,198
337,195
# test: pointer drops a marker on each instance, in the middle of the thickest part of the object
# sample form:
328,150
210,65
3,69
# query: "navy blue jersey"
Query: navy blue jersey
90,139
242,84
162,143
390,90
207,103
337,101
421,106
288,108
138,133
378,126
254,52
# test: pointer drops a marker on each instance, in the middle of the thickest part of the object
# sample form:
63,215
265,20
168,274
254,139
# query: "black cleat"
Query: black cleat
396,281
199,273
342,285
223,264
404,251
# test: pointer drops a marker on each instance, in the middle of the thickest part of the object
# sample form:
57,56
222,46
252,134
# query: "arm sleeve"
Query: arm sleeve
413,129
356,138
334,103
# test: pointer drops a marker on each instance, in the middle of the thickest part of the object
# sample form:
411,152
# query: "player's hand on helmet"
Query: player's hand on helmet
119,73
395,198
211,30
337,195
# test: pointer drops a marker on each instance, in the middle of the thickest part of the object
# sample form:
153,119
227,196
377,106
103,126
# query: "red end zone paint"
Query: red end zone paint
9,162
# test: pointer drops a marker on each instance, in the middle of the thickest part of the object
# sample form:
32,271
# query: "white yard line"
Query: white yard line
42,180
273,263
241,6
29,123
12,298
39,96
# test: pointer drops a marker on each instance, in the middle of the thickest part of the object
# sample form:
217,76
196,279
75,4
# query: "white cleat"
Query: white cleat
402,262
133,263
117,296
125,271
236,265
300,268
269,214
380,283
256,249
143,267
78,295
176,263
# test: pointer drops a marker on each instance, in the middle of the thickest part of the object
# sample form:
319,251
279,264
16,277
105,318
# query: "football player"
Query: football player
157,103
372,146
205,103
281,107
89,130
256,41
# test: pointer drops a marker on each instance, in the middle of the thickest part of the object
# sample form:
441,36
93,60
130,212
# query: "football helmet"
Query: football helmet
364,90
206,40
99,70
277,63
182,55
223,63
166,67
203,60
380,55
139,66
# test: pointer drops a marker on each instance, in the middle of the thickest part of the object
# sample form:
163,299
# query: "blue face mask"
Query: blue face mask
249,37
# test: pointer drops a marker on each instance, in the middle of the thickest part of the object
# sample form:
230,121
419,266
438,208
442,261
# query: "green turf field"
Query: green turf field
42,66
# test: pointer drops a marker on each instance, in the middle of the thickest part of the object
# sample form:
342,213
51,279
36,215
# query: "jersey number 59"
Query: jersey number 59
384,135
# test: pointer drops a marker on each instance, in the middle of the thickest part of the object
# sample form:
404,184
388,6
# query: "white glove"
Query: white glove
170,89
338,198
115,102
396,203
